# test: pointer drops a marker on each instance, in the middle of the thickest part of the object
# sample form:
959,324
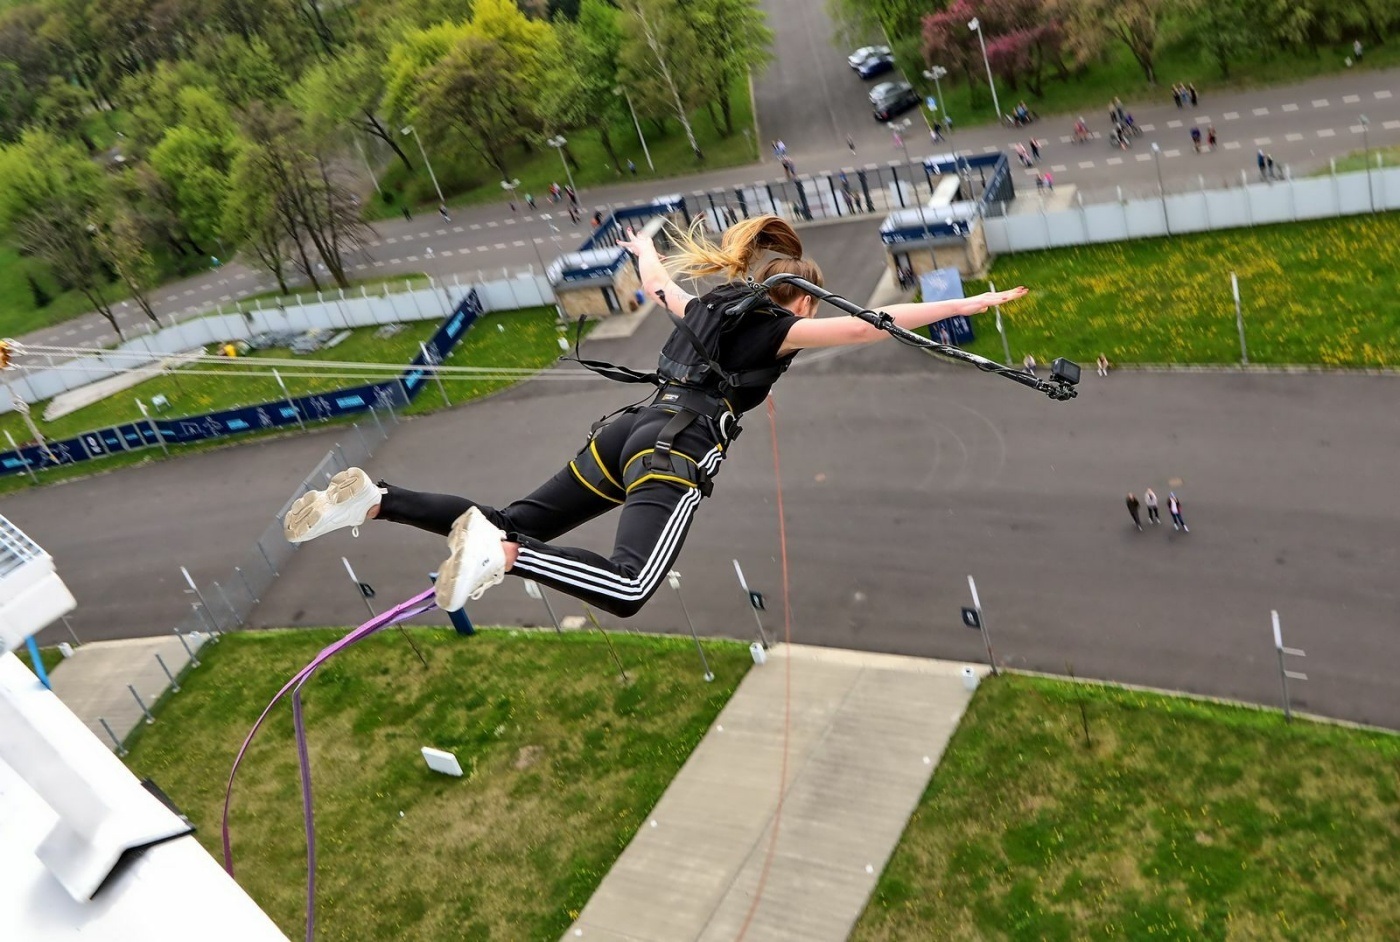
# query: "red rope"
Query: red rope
787,679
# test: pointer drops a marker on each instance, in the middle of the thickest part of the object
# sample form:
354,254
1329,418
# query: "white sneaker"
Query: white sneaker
478,561
346,502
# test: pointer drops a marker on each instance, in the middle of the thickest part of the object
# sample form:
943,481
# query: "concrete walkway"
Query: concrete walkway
864,735
93,682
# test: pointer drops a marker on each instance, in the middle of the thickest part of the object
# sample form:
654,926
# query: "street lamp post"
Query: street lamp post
976,26
509,186
558,142
1161,188
410,129
936,73
619,90
1366,142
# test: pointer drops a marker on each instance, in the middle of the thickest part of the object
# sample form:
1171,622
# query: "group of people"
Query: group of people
1267,170
1196,138
1184,94
1021,115
1124,128
1029,152
1154,518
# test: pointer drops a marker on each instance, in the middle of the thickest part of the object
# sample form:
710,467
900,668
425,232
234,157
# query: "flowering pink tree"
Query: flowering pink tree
1024,39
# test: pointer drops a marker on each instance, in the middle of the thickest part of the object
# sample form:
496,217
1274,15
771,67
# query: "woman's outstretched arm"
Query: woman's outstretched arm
845,330
656,280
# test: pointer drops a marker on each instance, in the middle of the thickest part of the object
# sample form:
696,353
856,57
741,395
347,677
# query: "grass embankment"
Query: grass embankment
563,760
1312,293
1178,59
1182,820
529,341
468,180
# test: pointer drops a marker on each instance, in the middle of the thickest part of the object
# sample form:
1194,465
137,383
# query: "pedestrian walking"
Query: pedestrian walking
1039,183
1029,364
572,194
530,200
1133,511
1174,508
1191,91
1176,95
1263,164
1103,365
1035,149
573,215
408,214
1149,497
442,211
1196,139
1356,50
1050,181
1210,136
631,166
597,218
1269,161
851,143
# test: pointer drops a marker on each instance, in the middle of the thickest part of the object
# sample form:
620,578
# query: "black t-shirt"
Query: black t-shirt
751,343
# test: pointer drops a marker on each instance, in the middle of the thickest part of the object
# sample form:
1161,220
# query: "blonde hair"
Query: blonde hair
740,249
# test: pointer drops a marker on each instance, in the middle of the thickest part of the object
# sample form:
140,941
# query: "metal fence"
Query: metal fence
225,605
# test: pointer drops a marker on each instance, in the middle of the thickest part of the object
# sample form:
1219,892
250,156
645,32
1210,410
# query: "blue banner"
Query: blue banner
945,284
319,407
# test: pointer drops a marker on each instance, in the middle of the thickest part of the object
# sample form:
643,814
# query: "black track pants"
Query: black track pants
655,516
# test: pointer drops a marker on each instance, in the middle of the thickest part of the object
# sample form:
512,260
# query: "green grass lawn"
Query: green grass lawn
1182,820
563,762
467,180
1119,74
19,314
1358,160
1312,293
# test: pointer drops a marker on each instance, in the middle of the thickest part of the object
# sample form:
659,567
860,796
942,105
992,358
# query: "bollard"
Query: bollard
139,702
69,625
267,559
237,618
246,587
675,579
174,684
121,750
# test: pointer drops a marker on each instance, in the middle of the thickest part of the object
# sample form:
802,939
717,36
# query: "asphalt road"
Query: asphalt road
901,475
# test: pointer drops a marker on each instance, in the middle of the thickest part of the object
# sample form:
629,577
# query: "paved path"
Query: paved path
93,683
866,732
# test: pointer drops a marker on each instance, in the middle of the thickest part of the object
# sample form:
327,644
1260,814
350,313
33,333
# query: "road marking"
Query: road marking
1293,137
225,297
1173,124
223,281
378,264
457,229
464,251
1290,107
1326,132
1263,141
1383,93
442,232
1114,161
1391,125
1141,157
1231,145
476,226
1356,129
71,332
1350,99
188,292
361,267
445,252
1320,103
395,261
500,245
391,241
412,258
375,242
1059,168
1171,153
1260,112
1086,165
1148,127
510,221
986,150
1064,138
1231,115
483,248
490,225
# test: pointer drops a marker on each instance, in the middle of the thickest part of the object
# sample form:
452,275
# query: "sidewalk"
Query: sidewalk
865,733
93,682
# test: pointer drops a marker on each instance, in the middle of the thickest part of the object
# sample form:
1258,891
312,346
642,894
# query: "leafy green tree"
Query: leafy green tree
54,199
121,243
658,57
63,109
1135,23
346,93
733,38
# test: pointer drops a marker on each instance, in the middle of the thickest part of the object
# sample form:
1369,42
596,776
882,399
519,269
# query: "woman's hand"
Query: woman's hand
637,245
993,298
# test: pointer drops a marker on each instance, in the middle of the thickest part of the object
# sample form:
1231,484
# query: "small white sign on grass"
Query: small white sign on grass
444,762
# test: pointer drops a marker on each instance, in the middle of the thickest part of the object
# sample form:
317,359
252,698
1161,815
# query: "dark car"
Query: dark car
875,64
865,52
880,91
895,101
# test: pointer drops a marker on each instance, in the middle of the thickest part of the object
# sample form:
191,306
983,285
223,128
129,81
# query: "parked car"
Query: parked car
865,52
896,101
880,91
875,64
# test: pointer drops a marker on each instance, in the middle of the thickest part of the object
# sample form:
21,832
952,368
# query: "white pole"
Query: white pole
638,125
982,620
976,25
1239,317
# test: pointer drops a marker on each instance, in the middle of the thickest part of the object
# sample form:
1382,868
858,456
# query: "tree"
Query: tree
251,218
658,46
302,195
54,200
63,108
734,39
579,83
1224,31
346,93
121,244
1135,23
945,41
194,159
